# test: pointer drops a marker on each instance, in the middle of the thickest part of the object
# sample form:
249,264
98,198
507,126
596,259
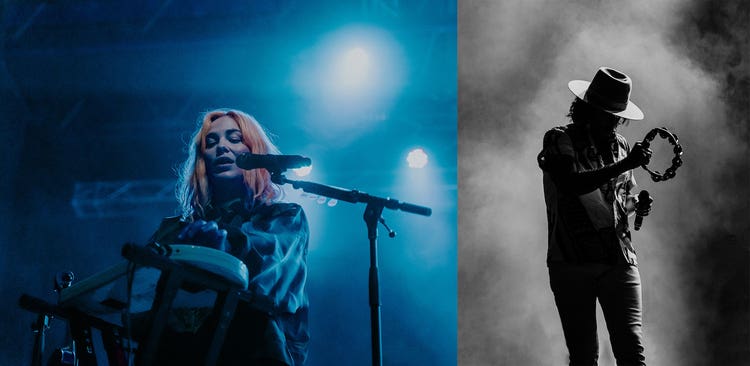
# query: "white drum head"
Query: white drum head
215,261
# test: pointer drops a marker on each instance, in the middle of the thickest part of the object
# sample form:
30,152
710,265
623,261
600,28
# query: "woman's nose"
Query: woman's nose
221,149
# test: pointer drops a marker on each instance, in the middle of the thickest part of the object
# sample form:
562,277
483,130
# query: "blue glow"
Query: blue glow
354,72
426,187
349,80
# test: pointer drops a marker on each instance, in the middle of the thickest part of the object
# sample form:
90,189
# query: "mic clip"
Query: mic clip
391,233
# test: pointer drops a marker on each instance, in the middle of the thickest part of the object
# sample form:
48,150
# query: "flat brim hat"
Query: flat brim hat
609,91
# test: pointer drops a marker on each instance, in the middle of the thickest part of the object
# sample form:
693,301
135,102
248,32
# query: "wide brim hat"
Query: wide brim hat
609,91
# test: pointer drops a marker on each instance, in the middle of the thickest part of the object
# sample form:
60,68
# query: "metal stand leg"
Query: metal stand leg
226,304
168,285
40,328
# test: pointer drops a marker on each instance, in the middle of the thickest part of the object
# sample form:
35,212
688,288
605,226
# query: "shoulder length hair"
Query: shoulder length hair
193,190
582,113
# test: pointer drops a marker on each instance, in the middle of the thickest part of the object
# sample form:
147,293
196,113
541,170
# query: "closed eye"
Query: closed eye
234,136
211,140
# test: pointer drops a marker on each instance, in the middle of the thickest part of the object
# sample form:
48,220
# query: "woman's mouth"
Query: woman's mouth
223,161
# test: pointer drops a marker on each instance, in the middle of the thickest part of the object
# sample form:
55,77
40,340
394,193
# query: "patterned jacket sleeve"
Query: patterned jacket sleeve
278,241
556,145
631,184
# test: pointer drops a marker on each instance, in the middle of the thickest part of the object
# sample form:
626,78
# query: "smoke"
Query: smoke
689,67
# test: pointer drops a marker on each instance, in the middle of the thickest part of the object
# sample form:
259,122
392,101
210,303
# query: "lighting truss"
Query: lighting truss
120,198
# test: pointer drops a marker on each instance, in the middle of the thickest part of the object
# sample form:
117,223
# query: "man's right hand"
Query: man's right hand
639,155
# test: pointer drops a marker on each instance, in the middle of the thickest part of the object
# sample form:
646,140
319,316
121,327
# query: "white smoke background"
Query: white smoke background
689,66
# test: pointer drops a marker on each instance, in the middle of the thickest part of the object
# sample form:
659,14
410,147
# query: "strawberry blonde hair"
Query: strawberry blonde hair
194,192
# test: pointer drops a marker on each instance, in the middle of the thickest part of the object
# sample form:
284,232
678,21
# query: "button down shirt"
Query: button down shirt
591,227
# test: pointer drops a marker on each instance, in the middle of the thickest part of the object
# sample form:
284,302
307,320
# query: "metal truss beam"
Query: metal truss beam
120,198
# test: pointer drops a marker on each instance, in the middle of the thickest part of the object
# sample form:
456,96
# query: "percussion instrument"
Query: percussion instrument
671,137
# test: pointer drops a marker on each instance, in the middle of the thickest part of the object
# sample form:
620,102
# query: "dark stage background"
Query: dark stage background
689,65
99,97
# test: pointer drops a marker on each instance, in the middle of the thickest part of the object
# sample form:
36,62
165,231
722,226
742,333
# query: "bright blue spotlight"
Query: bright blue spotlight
354,70
417,159
350,79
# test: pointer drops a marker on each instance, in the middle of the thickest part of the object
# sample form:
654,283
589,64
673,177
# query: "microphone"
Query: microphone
272,163
642,208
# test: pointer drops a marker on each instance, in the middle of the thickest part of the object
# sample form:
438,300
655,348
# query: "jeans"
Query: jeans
618,288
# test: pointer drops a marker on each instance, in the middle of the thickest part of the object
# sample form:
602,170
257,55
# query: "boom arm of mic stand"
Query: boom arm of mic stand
352,196
375,206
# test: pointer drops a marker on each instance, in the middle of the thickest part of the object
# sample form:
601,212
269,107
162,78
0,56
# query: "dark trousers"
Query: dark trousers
618,289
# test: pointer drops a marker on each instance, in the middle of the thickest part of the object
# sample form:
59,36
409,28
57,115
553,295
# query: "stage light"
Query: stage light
301,172
417,159
350,80
354,70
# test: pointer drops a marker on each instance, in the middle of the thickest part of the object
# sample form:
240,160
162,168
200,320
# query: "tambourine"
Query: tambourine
676,160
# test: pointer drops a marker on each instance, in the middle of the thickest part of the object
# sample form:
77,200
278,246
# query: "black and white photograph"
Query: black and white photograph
570,252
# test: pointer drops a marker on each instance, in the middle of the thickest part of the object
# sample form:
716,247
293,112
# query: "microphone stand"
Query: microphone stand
372,216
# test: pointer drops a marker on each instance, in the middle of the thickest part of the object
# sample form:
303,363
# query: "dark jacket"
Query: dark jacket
272,241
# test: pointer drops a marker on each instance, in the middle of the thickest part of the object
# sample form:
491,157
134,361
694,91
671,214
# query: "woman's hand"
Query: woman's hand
204,233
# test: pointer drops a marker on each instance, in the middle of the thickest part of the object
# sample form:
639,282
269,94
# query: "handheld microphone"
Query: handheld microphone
272,163
642,208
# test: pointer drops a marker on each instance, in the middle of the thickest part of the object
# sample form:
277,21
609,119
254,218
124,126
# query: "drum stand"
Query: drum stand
91,333
39,328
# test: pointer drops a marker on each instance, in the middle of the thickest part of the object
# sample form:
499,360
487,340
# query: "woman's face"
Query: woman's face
223,144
